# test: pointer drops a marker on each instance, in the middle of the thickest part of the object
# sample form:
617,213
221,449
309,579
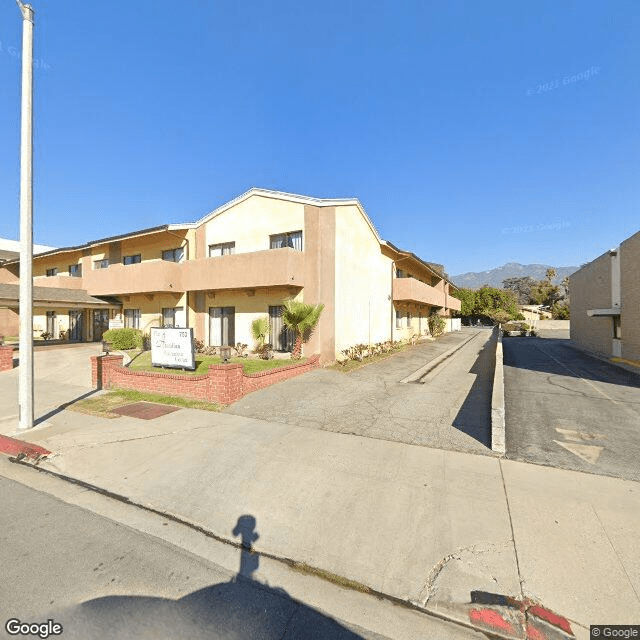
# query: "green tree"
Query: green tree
497,304
301,318
550,274
467,298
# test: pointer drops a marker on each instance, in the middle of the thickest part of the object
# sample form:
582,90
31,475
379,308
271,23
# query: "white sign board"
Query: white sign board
172,348
116,323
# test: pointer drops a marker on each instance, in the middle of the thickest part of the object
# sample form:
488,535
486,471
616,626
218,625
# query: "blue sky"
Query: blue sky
473,133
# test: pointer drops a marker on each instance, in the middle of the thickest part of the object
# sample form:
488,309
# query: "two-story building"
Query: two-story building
238,263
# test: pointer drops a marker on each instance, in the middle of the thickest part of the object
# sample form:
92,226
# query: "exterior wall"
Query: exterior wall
250,223
248,305
9,322
61,261
150,247
590,288
9,274
151,306
362,283
6,358
630,292
40,320
223,383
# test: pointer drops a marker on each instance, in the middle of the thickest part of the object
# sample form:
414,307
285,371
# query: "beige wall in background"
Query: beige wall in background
591,289
630,281
151,309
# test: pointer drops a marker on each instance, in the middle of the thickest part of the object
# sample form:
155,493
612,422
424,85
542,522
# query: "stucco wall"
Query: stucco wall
250,223
59,261
151,306
363,283
630,281
9,322
590,288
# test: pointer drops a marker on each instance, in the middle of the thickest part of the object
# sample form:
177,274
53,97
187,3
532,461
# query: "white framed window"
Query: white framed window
132,318
292,239
135,259
398,319
101,264
408,319
75,270
173,317
222,249
173,255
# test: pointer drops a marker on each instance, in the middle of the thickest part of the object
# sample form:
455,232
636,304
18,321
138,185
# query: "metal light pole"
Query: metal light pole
26,223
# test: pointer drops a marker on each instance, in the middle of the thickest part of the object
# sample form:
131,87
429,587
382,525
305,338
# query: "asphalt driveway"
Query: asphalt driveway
570,410
450,409
62,373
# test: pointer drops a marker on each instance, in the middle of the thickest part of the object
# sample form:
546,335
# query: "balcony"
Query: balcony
153,276
412,290
58,282
271,268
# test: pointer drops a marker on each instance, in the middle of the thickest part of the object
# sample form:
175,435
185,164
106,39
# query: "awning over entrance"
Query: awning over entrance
55,297
603,313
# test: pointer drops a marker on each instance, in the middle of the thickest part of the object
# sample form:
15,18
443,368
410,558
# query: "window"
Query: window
52,272
222,326
408,319
75,270
132,259
222,249
101,264
173,255
398,319
401,274
292,239
132,318
173,317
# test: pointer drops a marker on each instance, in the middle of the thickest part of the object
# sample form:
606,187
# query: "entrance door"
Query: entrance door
281,338
100,323
222,326
51,324
75,325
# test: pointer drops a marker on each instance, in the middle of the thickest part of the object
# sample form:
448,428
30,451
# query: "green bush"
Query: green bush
436,324
124,338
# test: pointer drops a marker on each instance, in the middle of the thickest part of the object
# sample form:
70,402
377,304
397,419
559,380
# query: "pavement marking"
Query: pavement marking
587,452
579,436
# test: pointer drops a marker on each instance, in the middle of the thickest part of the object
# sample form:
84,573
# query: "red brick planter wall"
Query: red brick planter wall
6,358
224,383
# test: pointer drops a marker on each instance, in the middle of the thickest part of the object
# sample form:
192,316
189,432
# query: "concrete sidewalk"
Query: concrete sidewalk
423,525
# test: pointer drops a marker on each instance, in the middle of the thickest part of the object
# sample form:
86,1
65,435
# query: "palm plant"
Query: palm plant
301,318
260,330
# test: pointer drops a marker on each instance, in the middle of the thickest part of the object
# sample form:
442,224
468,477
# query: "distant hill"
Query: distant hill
494,277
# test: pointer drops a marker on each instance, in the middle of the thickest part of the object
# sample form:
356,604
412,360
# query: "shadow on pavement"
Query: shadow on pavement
62,407
474,417
240,608
537,354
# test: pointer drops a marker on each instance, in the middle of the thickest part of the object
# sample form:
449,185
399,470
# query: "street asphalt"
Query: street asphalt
448,408
570,410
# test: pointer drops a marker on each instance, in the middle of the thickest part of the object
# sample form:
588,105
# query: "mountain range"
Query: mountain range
494,277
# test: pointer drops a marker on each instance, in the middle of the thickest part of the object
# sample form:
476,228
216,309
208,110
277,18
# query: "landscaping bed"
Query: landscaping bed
141,361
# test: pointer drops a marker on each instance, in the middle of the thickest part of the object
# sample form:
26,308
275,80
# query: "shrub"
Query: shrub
265,351
124,338
436,324
240,349
260,329
46,335
198,345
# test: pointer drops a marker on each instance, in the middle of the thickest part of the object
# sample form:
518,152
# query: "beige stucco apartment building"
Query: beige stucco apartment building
605,302
238,263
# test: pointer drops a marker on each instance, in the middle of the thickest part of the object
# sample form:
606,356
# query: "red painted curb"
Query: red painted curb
14,447
549,616
490,618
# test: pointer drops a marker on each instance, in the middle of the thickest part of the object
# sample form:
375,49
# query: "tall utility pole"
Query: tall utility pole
26,223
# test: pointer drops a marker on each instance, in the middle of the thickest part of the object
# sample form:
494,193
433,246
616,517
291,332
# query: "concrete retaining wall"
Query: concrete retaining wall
223,383
498,443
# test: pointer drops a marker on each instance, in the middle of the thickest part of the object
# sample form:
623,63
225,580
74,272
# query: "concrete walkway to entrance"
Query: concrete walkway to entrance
449,409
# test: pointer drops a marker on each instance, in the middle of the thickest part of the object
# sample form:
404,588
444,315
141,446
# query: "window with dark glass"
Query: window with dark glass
135,259
101,264
222,249
398,319
52,272
173,255
75,270
292,239
132,318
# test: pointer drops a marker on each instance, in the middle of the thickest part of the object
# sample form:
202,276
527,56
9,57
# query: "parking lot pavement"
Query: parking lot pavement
450,409
569,410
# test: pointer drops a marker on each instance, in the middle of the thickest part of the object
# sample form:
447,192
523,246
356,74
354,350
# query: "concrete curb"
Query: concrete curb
22,449
498,443
423,371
